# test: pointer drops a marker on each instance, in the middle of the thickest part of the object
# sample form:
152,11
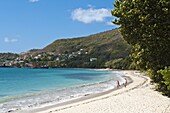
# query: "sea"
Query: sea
25,88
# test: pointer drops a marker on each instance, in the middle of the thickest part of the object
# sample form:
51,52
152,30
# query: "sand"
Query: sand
137,97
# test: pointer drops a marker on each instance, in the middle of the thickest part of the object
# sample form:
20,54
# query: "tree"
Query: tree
145,24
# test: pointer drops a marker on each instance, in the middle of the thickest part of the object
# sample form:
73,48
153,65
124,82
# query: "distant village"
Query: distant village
50,60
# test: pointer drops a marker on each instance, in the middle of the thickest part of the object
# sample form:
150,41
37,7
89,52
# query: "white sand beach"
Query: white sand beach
137,97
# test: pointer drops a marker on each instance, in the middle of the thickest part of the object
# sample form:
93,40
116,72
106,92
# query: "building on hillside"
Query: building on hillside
57,59
93,59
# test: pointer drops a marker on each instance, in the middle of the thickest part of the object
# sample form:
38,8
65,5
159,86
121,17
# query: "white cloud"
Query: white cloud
8,40
110,23
33,1
90,15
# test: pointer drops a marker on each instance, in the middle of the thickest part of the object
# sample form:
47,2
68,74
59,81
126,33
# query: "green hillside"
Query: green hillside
109,44
77,52
7,57
102,50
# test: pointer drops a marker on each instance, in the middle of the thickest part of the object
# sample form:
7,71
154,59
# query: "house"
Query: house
36,57
93,59
73,53
79,52
57,58
39,55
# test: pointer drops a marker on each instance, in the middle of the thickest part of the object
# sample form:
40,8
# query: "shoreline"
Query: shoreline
138,96
20,105
81,98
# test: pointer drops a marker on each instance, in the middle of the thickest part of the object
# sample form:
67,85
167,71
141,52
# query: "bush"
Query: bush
166,76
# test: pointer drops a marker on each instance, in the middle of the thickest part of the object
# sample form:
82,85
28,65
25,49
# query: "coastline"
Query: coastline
138,96
76,100
66,94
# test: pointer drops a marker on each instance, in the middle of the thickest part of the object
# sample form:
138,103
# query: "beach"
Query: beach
52,87
138,97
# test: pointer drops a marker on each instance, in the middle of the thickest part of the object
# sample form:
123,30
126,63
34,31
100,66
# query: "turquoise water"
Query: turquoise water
37,85
14,81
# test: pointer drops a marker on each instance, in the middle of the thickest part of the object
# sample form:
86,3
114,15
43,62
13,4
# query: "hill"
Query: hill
6,58
98,44
103,50
94,51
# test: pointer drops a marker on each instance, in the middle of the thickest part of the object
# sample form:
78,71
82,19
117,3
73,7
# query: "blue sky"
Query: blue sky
28,24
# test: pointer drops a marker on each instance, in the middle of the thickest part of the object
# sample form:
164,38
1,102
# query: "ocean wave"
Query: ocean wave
60,95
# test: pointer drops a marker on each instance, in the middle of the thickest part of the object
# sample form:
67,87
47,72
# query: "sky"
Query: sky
33,24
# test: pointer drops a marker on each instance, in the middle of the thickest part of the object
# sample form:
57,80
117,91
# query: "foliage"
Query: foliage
120,63
145,24
105,46
7,56
166,76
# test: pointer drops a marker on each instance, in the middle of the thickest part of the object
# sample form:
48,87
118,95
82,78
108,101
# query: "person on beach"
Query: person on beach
125,84
118,84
